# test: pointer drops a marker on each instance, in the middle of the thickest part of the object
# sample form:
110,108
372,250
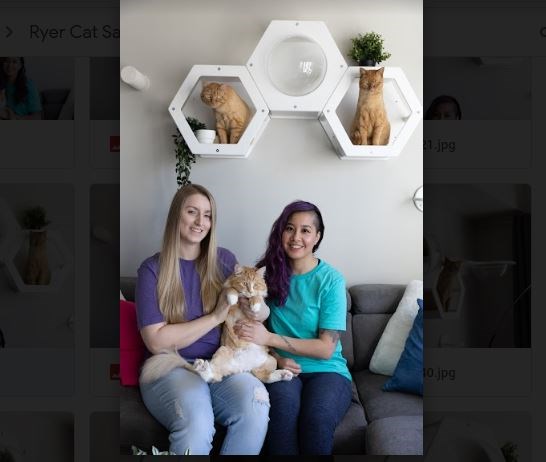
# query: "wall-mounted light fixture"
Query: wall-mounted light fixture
134,78
418,198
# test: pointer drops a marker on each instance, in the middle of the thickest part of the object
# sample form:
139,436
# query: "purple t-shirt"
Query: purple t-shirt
147,305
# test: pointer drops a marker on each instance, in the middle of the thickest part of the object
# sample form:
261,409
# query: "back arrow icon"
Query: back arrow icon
9,32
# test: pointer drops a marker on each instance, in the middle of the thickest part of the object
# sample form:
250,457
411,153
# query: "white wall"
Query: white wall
373,231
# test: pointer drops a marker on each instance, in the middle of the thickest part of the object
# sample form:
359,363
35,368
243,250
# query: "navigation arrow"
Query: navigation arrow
9,31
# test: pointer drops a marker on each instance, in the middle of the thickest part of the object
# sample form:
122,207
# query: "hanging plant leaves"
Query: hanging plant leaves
184,157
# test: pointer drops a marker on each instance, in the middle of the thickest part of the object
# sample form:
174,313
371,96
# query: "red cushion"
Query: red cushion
131,346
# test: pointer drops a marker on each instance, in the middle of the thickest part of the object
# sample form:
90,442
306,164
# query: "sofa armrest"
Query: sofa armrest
127,286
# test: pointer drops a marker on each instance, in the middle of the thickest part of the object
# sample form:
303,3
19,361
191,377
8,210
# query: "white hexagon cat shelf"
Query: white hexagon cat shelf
296,71
296,65
9,229
403,110
187,103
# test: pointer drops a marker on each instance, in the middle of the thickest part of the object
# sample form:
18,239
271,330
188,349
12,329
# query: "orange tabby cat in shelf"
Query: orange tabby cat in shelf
37,270
234,355
371,125
231,112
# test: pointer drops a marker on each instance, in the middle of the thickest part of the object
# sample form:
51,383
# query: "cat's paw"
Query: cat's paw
285,374
232,298
255,307
200,365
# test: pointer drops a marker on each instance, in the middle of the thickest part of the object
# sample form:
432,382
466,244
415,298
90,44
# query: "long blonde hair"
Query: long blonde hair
170,291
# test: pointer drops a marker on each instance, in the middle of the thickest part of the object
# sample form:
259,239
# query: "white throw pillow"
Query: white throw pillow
392,342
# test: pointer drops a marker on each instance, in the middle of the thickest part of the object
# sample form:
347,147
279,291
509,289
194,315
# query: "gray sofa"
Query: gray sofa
377,422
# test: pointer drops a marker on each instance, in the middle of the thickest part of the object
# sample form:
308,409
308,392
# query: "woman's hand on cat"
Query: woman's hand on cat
222,307
252,331
288,364
261,315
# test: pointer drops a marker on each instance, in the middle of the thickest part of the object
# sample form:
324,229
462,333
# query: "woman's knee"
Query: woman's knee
246,398
254,400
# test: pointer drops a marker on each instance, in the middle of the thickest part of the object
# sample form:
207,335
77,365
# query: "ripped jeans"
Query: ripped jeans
188,407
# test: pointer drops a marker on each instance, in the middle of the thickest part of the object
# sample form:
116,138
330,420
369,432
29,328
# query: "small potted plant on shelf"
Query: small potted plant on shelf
184,157
367,49
37,270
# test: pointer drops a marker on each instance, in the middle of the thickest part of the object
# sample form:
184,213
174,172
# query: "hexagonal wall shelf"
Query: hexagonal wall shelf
59,259
9,229
187,103
296,66
401,103
457,295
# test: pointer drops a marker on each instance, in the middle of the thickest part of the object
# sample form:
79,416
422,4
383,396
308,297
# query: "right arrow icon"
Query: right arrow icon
9,32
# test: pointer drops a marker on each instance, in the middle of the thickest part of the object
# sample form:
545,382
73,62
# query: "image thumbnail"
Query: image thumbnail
104,265
477,265
37,265
477,88
43,436
36,88
477,436
104,88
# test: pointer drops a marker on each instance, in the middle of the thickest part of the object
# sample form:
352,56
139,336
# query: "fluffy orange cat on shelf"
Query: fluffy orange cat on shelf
231,112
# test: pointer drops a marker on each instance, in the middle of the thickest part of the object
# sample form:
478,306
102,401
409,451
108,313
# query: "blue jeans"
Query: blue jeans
188,407
305,412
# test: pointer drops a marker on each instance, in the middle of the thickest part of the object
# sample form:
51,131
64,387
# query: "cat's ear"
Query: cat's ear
362,71
261,271
238,269
205,84
380,71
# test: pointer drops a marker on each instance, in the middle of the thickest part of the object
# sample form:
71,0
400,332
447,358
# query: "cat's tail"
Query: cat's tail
161,364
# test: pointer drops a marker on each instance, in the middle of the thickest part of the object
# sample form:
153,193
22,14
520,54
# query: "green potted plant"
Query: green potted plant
367,49
184,157
34,218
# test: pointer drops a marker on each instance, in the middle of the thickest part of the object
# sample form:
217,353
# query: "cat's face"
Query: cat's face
371,80
248,281
214,94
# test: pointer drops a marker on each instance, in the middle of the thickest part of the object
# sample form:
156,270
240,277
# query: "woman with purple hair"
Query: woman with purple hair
308,310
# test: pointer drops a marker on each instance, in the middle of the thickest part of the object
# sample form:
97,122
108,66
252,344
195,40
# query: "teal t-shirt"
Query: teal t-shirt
316,300
27,106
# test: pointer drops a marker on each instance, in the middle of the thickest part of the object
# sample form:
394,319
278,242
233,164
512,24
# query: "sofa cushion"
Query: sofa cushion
392,341
127,286
408,375
131,346
367,330
400,435
348,437
346,339
380,404
375,298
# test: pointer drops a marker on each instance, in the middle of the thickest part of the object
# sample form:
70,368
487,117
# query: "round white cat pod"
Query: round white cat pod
403,108
187,103
60,262
296,66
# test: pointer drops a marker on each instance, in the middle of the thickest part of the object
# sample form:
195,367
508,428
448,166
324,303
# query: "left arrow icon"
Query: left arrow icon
9,31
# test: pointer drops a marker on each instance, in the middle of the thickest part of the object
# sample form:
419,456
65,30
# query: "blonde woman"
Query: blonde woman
180,303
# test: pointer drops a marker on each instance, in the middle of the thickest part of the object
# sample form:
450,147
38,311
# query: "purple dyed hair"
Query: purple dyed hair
278,271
